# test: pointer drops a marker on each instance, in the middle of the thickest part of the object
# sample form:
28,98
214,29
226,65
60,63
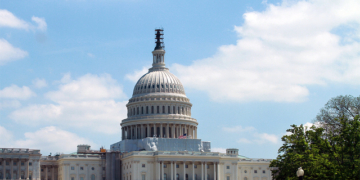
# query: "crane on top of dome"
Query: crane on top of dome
159,36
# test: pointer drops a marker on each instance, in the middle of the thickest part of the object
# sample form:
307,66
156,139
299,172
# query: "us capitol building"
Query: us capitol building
158,142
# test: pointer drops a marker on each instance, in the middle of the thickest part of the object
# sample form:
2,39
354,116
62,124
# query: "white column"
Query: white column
214,171
46,173
218,171
184,176
162,170
175,170
53,175
205,177
193,169
167,130
158,170
161,131
172,171
148,130
195,132
4,170
202,170
236,171
136,132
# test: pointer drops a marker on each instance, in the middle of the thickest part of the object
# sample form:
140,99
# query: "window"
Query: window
186,177
158,109
195,166
164,176
227,177
207,166
42,170
152,109
14,163
143,165
30,163
143,177
142,110
227,167
177,177
186,166
245,171
168,109
255,171
147,109
92,168
173,110
81,178
177,166
93,177
72,168
81,168
164,165
137,110
22,163
7,163
72,178
103,168
245,178
195,176
163,110
264,171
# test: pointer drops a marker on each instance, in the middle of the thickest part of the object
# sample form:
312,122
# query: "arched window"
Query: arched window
93,177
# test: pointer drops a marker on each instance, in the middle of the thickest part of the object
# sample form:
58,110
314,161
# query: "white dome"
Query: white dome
159,80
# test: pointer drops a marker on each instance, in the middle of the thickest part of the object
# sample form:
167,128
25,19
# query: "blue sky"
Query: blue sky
250,68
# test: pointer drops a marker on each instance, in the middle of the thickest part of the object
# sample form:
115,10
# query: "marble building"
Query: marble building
159,141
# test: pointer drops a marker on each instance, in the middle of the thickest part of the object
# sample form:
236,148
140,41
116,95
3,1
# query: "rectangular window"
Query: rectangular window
30,163
72,178
147,109
163,110
227,167
72,168
137,110
207,166
143,165
195,166
158,109
142,110
173,110
152,109
168,110
14,163
177,166
103,168
143,177
22,163
164,165
81,168
186,166
81,178
227,177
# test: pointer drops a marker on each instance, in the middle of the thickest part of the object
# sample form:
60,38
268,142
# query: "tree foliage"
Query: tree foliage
320,154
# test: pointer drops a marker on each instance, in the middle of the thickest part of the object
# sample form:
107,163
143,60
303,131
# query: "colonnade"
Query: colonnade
160,130
17,175
160,173
159,109
53,169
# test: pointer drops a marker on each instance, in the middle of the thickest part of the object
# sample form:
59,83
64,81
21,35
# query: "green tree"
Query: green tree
322,156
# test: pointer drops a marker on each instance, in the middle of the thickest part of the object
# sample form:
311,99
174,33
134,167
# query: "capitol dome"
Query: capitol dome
159,106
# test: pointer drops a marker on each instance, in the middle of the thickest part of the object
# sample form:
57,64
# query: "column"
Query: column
193,169
175,170
236,171
158,170
46,173
172,171
11,169
167,130
205,177
218,171
195,132
161,131
173,131
136,132
19,169
141,131
162,170
181,130
3,170
202,170
184,176
155,130
148,130
214,171
130,131
53,173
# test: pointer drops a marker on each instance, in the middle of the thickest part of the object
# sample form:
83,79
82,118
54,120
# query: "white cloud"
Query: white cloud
39,83
10,53
46,139
7,19
87,87
281,52
10,104
16,92
222,150
253,136
238,129
86,102
136,75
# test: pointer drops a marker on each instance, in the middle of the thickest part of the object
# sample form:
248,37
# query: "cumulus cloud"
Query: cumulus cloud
8,19
136,75
10,53
253,136
46,139
16,92
87,102
281,51
39,83
222,150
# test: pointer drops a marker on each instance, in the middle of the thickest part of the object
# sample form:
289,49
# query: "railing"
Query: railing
19,150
